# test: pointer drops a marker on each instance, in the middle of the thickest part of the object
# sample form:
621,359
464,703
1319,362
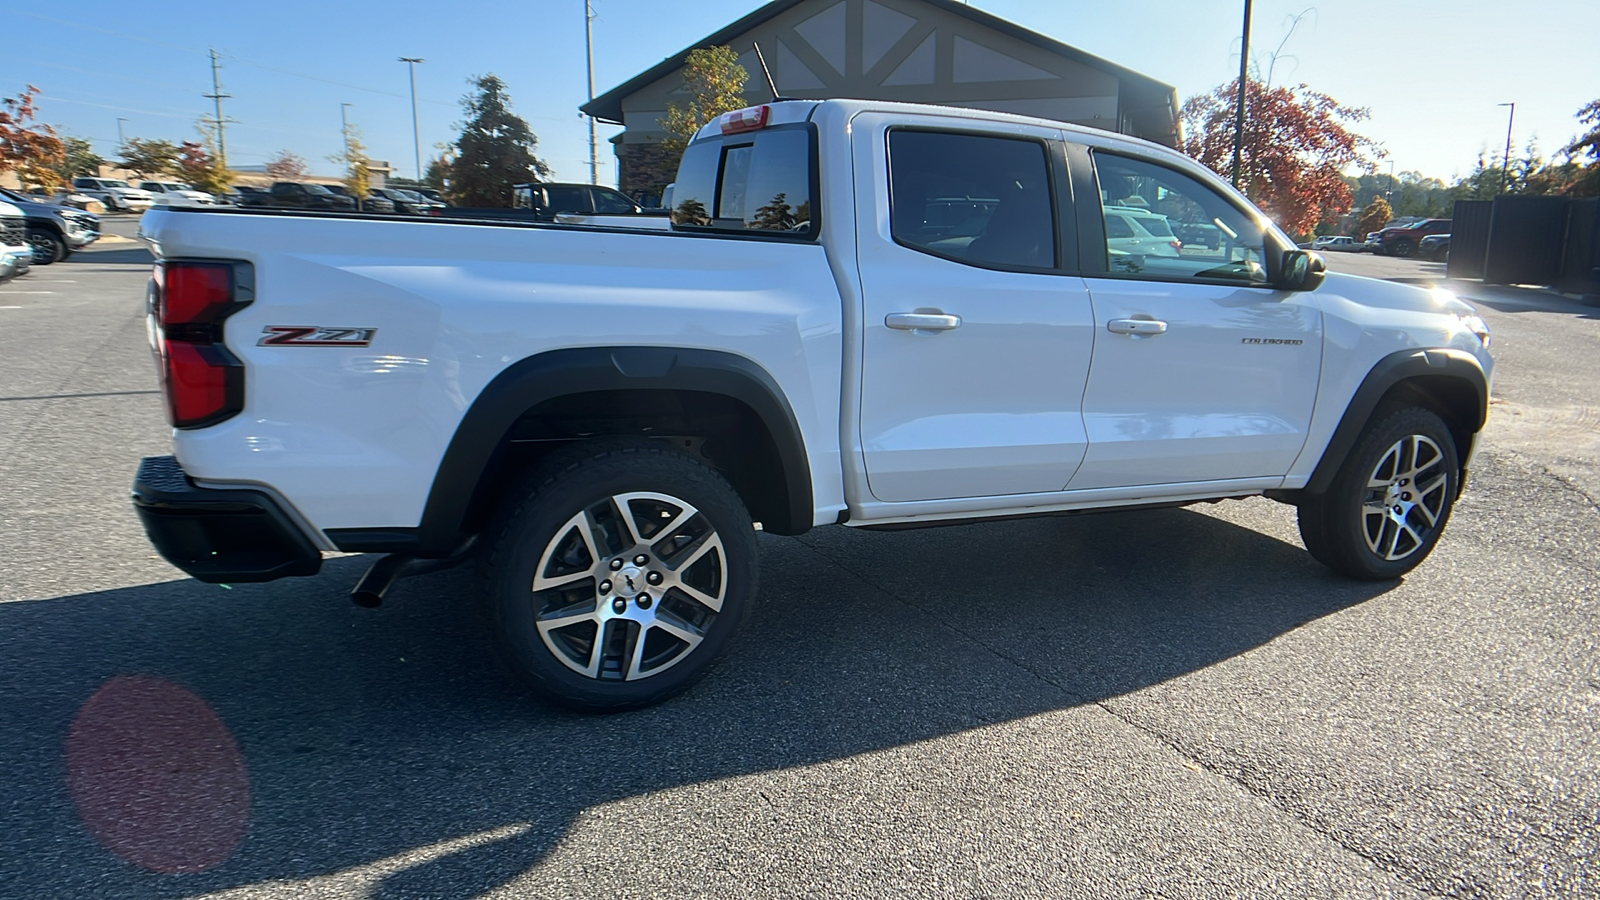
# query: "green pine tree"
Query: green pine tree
495,149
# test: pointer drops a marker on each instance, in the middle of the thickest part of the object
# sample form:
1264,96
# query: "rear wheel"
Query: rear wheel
1388,505
622,576
1401,248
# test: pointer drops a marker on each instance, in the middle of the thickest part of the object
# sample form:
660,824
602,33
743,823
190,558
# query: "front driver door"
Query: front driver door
1202,371
977,330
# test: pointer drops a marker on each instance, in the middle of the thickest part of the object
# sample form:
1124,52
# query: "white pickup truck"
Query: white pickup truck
865,314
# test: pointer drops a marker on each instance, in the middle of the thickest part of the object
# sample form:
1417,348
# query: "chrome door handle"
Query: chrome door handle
1136,326
922,321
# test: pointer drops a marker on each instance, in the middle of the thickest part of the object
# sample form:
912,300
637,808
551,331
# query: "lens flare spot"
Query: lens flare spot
156,777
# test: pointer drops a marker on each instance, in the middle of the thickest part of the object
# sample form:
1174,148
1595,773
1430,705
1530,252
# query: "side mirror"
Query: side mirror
1302,270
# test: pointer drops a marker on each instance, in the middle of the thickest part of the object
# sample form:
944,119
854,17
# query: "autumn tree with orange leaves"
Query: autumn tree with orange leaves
1297,146
31,150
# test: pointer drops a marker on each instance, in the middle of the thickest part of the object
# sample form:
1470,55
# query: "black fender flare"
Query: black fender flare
546,376
1393,369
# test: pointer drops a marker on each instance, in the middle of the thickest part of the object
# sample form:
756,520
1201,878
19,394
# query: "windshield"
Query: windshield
317,189
112,182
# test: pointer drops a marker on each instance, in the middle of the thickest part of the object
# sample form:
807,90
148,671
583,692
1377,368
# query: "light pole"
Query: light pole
588,52
121,141
1505,166
1238,116
416,133
1391,178
344,129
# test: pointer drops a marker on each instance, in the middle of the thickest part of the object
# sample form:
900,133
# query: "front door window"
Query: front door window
1163,224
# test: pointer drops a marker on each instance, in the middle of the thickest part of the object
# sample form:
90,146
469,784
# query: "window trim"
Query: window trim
814,186
1057,170
1091,223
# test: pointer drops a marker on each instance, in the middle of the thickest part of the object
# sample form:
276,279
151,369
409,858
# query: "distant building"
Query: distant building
257,175
917,51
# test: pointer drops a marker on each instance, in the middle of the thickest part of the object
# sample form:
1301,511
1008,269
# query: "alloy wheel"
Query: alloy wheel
629,586
1406,496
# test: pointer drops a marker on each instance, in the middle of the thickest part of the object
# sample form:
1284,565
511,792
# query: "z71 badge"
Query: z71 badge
315,336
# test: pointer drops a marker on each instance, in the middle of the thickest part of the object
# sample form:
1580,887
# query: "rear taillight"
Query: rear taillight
1177,246
203,383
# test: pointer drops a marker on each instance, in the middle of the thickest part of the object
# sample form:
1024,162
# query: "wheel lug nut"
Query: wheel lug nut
640,560
653,578
619,606
616,564
1405,496
645,601
605,587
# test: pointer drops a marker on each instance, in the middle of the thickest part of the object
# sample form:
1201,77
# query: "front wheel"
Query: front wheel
1390,501
622,576
47,247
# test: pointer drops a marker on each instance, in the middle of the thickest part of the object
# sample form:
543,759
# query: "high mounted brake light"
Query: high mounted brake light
203,383
751,118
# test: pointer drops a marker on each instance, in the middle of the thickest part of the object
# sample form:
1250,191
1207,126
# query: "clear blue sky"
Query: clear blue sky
1431,72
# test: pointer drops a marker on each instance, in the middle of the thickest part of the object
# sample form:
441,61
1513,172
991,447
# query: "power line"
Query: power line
121,34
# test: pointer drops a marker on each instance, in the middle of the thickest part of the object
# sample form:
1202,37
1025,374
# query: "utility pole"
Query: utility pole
344,129
1505,167
121,141
1238,116
588,44
218,96
416,133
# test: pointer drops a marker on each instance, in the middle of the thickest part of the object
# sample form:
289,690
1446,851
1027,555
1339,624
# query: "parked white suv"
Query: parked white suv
1135,230
174,193
824,336
115,193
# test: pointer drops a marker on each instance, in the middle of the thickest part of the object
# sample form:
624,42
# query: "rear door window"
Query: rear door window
567,199
978,199
761,182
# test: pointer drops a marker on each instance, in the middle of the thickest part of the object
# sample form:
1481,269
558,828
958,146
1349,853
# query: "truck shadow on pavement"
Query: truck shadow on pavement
369,735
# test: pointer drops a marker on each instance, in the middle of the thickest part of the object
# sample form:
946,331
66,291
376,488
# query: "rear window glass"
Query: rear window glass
1156,226
747,182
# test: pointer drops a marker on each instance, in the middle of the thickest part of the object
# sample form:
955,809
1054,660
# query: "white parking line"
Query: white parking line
10,307
8,293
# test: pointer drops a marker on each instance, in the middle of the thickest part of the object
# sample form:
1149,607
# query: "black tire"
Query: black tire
48,247
1401,248
709,554
1381,533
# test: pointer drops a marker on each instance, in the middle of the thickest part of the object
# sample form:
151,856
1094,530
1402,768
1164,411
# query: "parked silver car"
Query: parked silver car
1341,243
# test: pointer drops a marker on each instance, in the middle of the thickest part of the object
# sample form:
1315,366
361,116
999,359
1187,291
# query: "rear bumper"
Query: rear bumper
220,536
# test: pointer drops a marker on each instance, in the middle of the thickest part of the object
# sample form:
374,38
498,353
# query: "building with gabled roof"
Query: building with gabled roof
916,51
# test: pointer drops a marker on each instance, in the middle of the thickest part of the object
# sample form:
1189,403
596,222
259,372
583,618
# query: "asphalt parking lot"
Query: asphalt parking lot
1174,703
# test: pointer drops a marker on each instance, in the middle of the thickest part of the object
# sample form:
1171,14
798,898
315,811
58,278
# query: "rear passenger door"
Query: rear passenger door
977,328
